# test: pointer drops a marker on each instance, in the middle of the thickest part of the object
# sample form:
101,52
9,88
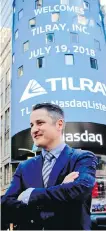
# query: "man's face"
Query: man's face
44,131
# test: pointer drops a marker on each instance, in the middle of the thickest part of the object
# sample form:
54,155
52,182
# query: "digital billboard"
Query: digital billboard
59,59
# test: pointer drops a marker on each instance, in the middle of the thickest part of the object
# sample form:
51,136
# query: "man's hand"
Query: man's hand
71,177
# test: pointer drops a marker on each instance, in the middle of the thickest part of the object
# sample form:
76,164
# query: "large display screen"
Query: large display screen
59,59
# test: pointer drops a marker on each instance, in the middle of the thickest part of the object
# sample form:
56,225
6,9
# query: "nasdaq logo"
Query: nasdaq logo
33,89
84,137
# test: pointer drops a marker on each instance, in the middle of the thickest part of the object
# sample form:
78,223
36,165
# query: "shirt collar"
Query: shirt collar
55,151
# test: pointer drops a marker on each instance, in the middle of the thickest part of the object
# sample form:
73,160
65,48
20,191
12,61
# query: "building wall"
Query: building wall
58,59
5,87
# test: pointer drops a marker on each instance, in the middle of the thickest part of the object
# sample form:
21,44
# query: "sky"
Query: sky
103,2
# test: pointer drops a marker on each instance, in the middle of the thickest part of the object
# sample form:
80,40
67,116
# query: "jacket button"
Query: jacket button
32,221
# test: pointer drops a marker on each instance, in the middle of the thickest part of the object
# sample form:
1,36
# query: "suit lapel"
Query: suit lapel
38,180
59,165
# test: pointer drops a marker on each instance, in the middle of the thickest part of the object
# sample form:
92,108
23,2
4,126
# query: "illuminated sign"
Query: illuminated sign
59,65
84,137
35,89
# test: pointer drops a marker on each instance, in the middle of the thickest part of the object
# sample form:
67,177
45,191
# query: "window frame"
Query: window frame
40,5
84,4
27,42
67,4
47,38
74,33
91,63
34,18
19,13
53,13
95,42
42,58
22,71
16,33
72,63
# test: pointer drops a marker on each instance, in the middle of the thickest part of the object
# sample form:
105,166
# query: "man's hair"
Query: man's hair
54,110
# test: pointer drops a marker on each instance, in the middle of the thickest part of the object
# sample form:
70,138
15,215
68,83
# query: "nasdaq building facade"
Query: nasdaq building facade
58,54
58,51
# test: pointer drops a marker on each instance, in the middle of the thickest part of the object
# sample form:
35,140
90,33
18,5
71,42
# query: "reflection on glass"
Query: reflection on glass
20,71
69,59
49,37
64,2
26,46
16,34
40,62
97,44
38,3
86,5
82,20
20,14
74,37
32,22
55,17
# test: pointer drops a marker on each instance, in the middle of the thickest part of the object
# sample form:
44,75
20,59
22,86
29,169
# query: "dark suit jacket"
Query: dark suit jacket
59,206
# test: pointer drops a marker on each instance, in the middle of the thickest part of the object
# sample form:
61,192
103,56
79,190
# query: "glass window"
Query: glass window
13,58
55,17
69,59
6,135
99,28
1,133
74,37
82,20
49,37
7,122
16,34
14,9
97,44
99,191
20,71
64,2
86,5
1,124
20,14
38,3
1,93
1,176
32,22
1,96
91,22
1,86
93,63
8,78
100,17
26,46
7,94
6,174
40,62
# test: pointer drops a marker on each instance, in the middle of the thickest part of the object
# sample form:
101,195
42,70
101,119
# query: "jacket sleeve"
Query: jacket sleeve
64,193
11,208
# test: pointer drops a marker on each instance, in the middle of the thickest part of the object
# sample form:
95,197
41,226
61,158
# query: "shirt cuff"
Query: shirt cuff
26,195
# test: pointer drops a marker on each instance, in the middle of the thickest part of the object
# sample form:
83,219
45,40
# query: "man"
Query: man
53,190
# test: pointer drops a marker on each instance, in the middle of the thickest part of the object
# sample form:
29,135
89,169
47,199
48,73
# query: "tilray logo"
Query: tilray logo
33,89
84,137
66,84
